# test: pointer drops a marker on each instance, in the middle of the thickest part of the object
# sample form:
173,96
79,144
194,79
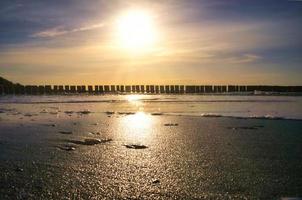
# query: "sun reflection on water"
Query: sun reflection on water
135,100
137,127
133,97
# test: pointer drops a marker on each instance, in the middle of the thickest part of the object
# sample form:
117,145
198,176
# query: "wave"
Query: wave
266,117
214,115
206,115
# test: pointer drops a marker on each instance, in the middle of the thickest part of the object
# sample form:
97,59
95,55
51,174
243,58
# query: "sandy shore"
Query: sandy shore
144,156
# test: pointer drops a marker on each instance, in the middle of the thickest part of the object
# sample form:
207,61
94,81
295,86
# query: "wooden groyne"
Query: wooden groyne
141,89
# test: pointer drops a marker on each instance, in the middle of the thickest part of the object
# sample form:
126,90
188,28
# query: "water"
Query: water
249,106
199,156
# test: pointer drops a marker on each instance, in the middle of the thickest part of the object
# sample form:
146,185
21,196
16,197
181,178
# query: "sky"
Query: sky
197,42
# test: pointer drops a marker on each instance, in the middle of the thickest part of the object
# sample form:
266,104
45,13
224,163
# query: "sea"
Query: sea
237,106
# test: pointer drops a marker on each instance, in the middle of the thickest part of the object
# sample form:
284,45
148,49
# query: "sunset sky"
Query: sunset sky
182,42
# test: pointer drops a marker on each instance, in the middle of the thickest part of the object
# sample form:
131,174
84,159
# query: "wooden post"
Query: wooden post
90,89
216,89
197,89
79,89
182,89
193,88
96,89
34,89
112,88
172,89
176,88
122,88
106,88
230,88
142,89
242,88
224,88
101,89
190,89
48,89
137,89
55,89
41,89
128,88
219,88
152,89
156,89
147,88
201,88
167,89
208,88
73,89
162,89
83,89
61,89
67,89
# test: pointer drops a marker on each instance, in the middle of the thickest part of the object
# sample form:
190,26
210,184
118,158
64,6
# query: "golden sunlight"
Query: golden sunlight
136,31
137,128
133,97
139,121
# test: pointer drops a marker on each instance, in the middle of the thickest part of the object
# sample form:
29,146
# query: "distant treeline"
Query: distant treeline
7,87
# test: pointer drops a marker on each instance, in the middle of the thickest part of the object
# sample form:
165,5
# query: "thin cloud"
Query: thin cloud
59,30
245,58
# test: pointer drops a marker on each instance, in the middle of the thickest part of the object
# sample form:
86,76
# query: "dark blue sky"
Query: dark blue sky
202,41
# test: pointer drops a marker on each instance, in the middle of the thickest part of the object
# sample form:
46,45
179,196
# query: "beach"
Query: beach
150,147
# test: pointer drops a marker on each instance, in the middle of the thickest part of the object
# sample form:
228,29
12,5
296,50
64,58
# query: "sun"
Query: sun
136,31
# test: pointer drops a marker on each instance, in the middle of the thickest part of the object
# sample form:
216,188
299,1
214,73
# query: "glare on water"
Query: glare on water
138,127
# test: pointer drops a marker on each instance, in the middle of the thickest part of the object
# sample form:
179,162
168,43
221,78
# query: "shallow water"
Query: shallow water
251,106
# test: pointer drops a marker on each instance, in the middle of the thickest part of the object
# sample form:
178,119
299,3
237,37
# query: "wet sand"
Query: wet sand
47,156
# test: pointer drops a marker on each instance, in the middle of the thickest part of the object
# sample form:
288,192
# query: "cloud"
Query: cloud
245,58
59,30
195,43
